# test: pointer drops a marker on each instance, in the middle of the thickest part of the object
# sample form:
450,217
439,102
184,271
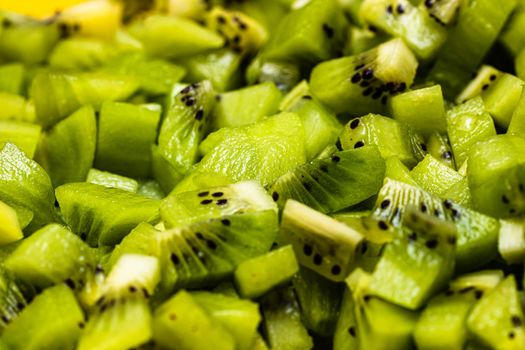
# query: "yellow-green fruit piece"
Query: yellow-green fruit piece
10,230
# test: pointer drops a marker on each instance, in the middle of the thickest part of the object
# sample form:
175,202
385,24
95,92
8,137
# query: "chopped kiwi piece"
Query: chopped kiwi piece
101,215
396,170
438,146
173,37
118,124
110,180
363,39
320,242
362,83
81,54
353,175
392,138
181,323
67,150
443,12
35,260
434,177
502,97
512,37
422,109
12,78
345,335
22,134
497,319
10,230
517,122
484,78
477,234
511,241
12,300
52,324
283,74
180,209
26,187
423,35
258,275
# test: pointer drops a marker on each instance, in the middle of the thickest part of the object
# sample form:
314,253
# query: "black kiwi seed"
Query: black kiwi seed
217,194
364,247
511,335
132,289
367,298
221,19
455,214
324,168
431,243
211,244
356,78
236,40
493,77
423,208
437,213
186,90
275,196
478,294
359,66
329,31
5,319
448,204
382,225
307,186
377,94
466,290
174,259
516,321
145,292
199,235
412,236
485,87
81,325
372,28
400,9
368,91
318,259
385,203
505,199
206,201
70,283
6,23
368,74
429,3
307,250
338,145
390,9
226,222
354,124
199,114
335,159
221,202
336,270
402,87
447,155
351,331
359,144
449,293
190,102
203,194
307,97
521,188
424,147
364,84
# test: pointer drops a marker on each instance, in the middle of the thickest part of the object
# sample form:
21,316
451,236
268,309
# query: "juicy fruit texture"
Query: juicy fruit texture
23,135
502,97
485,77
10,230
110,180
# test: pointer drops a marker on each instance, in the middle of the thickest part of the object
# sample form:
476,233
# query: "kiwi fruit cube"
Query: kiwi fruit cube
181,322
10,230
82,54
118,124
67,150
136,242
24,135
517,121
238,316
438,146
26,187
396,170
346,333
163,172
502,98
422,109
111,180
497,319
12,78
257,276
434,177
459,193
231,109
15,107
53,325
486,76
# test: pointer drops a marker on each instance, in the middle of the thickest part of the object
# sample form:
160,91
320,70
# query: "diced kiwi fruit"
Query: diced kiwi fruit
442,11
12,300
511,241
502,97
110,180
345,335
58,95
185,124
10,230
67,150
438,146
517,122
501,326
283,74
511,36
477,234
15,107
396,170
434,177
355,175
496,173
22,134
136,242
422,109
172,37
362,83
423,35
180,209
118,124
35,260
320,242
478,25
150,189
181,323
81,54
12,78
392,138
320,301
240,317
363,39
53,325
258,275
232,111
162,171
26,187
103,216
282,321
484,78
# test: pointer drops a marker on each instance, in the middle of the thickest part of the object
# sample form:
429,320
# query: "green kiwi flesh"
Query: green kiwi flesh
110,180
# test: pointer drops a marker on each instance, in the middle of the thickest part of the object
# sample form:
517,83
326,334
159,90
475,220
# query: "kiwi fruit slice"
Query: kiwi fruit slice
438,146
101,215
67,150
26,187
12,76
443,12
22,134
484,78
12,300
355,175
52,325
320,243
362,83
110,180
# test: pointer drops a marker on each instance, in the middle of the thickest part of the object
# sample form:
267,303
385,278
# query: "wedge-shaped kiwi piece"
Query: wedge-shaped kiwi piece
477,234
101,215
331,184
416,265
240,317
122,318
345,335
378,323
497,319
180,209
12,300
502,98
393,138
110,180
496,173
181,323
58,95
414,25
362,83
282,321
320,242
36,261
434,176
485,77
443,12
67,150
53,325
118,124
22,134
173,37
185,124
442,322
243,34
136,242
26,187
438,146
10,229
